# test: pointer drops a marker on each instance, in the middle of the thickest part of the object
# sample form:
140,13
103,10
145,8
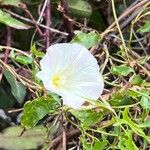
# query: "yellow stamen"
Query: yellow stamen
58,81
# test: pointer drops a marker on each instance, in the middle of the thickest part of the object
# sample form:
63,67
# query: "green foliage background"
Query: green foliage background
32,118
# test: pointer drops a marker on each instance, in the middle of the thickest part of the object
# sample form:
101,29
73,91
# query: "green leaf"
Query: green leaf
6,19
133,94
31,139
35,52
145,101
145,28
120,101
36,109
12,55
121,98
86,145
87,39
99,145
126,142
17,88
134,126
10,2
136,80
96,20
24,59
145,124
87,117
121,70
80,8
105,105
7,100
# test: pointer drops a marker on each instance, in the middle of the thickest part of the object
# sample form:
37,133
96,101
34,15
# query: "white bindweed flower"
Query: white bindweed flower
72,72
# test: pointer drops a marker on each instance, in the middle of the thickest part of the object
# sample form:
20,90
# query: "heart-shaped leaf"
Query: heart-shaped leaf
36,109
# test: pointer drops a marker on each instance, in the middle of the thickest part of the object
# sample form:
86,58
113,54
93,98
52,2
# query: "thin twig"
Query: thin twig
125,14
107,57
136,55
130,18
25,81
48,23
8,44
42,12
118,26
68,23
140,43
15,110
64,139
34,22
37,27
69,135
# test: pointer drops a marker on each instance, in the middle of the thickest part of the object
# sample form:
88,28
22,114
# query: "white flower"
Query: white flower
72,72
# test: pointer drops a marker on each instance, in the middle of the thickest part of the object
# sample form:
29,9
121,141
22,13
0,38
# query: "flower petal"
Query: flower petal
87,90
61,55
73,101
84,60
45,63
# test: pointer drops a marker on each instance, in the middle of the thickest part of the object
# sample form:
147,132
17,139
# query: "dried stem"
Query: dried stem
69,135
41,12
8,44
68,23
64,139
120,32
15,110
48,23
34,22
37,27
125,14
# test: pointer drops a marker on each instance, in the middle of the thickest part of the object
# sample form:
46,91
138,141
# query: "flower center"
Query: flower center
58,81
